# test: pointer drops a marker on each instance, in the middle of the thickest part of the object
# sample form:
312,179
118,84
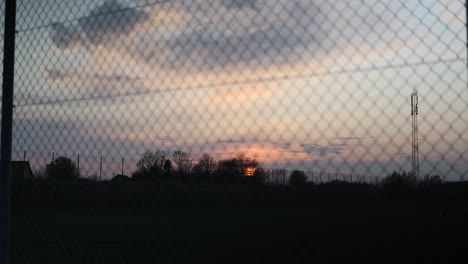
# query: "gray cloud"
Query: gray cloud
56,75
65,37
311,149
223,33
353,138
104,23
63,75
250,4
350,141
274,37
59,134
230,141
111,18
281,37
322,151
115,77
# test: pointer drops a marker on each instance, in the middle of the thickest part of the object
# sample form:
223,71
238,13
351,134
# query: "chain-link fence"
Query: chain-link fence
220,91
308,85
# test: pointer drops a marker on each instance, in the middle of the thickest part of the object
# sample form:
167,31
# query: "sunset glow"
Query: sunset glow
249,172
294,88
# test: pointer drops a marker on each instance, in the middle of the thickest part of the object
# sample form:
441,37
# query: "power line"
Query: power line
245,82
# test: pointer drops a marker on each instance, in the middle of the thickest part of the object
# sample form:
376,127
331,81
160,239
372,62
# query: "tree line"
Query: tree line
181,166
176,165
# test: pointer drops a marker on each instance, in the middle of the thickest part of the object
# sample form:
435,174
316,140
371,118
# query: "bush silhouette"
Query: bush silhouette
297,178
62,168
399,183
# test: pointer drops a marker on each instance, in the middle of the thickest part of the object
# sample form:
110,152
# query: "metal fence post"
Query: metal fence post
7,127
466,28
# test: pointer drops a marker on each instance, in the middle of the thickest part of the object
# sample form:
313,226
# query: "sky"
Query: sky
299,84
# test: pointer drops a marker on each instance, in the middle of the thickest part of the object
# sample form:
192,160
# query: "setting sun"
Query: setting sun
250,171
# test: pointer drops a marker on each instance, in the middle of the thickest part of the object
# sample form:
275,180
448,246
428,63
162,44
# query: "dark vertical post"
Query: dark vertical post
100,170
53,156
24,155
7,126
466,26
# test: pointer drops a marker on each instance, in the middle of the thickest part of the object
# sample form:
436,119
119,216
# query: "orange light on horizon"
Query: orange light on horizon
249,172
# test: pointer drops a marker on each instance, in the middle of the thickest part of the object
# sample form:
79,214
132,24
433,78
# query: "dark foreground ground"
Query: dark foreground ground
344,230
377,233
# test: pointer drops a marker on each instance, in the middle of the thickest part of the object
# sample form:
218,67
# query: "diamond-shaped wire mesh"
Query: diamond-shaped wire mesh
158,93
320,86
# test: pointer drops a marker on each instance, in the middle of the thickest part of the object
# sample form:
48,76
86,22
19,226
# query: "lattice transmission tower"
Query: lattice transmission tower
415,134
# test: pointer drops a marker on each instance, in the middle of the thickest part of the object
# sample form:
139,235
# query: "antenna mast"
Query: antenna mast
415,133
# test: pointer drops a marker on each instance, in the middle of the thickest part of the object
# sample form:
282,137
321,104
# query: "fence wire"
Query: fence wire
297,85
123,107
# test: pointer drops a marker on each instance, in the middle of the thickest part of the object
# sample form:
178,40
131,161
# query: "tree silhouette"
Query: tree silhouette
297,178
234,169
62,168
183,161
205,166
260,175
430,180
399,183
168,167
150,165
241,163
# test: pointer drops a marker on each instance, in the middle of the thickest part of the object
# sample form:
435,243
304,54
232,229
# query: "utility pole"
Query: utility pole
415,134
7,127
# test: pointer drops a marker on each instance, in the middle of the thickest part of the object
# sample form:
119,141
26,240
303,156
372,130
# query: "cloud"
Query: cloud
279,34
58,75
268,151
249,4
110,19
200,36
103,24
352,138
65,37
230,37
322,151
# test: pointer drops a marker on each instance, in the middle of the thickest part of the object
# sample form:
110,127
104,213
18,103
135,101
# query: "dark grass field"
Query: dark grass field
333,232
